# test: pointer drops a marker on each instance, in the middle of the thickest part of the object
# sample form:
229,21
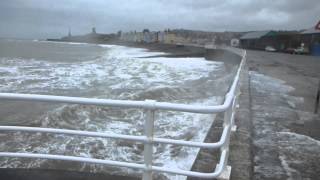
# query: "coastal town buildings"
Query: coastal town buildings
176,37
300,42
170,38
280,40
146,36
283,41
257,39
161,36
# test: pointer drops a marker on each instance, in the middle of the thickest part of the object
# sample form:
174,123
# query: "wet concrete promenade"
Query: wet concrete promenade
278,133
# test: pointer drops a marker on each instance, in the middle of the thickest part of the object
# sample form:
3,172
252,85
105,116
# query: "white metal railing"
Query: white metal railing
150,106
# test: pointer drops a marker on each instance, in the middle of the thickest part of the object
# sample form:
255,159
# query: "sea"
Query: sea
104,72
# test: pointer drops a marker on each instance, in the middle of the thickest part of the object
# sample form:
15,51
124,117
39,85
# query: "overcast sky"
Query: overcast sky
52,18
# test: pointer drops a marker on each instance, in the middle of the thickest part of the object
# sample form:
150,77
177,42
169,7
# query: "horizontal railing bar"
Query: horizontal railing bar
141,139
72,158
216,173
115,103
72,100
74,132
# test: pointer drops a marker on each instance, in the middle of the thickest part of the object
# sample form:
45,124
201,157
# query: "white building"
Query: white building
234,42
161,37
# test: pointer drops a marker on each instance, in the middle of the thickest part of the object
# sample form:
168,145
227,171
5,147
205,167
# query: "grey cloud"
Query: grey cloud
47,18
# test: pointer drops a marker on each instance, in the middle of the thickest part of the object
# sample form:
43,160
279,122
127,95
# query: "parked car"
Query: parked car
270,49
290,50
301,50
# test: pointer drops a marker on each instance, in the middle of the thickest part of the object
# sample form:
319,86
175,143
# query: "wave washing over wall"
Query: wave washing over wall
118,73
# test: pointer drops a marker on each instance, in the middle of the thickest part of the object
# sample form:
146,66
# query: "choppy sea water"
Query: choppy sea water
111,72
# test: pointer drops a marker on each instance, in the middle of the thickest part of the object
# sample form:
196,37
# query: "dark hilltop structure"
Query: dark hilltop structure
92,37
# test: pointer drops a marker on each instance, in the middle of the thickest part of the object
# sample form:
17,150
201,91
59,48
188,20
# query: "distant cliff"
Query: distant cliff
88,38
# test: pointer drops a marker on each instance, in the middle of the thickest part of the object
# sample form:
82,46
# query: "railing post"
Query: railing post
227,121
234,109
148,146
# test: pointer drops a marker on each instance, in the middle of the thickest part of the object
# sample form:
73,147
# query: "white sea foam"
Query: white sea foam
125,52
64,42
120,70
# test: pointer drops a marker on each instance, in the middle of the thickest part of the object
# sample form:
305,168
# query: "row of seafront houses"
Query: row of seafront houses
147,36
166,37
